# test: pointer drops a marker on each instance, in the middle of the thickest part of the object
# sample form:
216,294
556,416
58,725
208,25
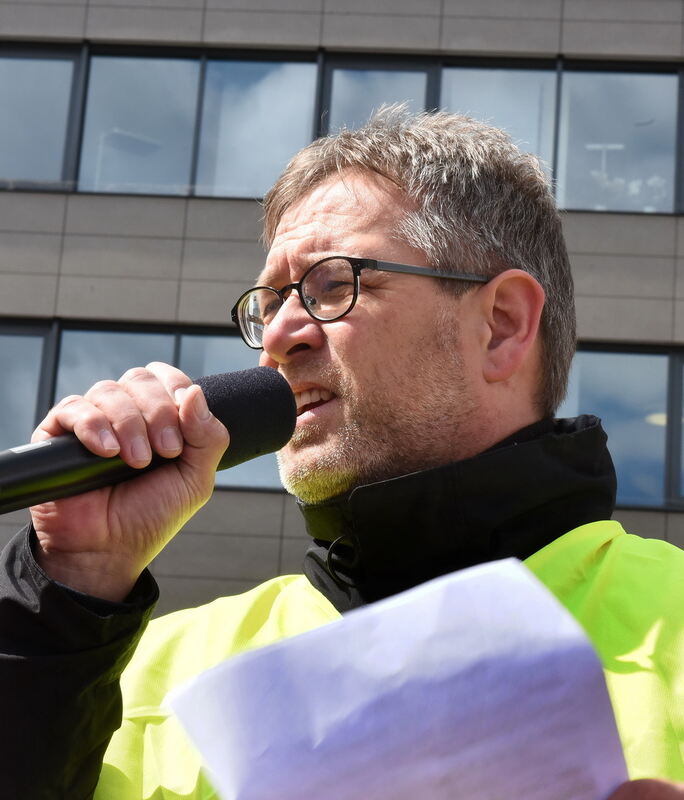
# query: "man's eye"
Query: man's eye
270,310
338,287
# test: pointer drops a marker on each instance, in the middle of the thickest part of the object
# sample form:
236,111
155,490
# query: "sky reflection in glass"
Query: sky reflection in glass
522,102
629,392
86,357
34,98
139,125
617,142
255,117
357,93
20,362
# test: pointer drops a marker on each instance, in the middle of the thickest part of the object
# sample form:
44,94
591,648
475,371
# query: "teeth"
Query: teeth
309,396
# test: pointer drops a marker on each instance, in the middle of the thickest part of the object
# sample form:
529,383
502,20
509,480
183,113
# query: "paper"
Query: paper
478,685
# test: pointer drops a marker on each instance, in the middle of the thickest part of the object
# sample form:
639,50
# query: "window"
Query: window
20,365
255,116
521,101
139,125
34,98
197,124
617,141
629,392
356,93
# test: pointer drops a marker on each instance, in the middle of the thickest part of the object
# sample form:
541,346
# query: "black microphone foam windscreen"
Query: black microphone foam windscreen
258,408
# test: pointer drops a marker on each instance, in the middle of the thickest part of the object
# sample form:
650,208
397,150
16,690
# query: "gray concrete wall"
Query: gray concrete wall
603,28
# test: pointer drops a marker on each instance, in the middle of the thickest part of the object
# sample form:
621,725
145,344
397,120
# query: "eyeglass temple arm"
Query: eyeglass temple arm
390,266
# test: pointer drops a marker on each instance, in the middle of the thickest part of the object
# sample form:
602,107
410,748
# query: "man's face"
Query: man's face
383,391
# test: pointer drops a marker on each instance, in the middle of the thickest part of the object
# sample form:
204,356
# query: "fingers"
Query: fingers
137,415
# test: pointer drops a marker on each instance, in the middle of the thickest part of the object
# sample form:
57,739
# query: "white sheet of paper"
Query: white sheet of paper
478,685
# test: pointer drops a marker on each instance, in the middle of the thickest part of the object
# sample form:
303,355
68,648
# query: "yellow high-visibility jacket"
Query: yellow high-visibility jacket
627,592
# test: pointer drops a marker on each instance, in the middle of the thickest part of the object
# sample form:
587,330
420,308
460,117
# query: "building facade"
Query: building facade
136,138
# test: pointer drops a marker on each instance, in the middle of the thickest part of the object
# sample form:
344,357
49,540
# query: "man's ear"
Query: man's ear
512,304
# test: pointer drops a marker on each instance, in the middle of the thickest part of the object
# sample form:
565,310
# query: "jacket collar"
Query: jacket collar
511,500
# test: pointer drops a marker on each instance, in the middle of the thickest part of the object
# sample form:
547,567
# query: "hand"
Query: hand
99,542
649,789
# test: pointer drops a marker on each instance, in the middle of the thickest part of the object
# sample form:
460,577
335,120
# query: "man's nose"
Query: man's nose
291,331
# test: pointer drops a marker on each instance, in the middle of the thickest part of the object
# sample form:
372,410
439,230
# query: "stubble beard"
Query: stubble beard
384,433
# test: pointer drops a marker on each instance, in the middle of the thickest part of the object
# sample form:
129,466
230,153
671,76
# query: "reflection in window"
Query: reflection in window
86,357
208,355
256,116
357,93
629,392
139,125
34,98
20,364
522,102
617,141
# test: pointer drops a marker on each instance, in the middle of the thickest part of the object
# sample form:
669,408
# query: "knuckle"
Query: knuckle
69,400
135,374
156,365
102,387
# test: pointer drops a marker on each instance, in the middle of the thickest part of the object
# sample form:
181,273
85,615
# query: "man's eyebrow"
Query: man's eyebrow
295,269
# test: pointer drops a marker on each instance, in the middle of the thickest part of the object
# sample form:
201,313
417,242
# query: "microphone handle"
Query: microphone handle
56,468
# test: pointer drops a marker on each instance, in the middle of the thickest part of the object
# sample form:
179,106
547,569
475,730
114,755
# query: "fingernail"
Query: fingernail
201,407
170,439
179,394
140,449
108,440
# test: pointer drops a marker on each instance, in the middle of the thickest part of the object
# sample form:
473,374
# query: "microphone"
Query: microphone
256,406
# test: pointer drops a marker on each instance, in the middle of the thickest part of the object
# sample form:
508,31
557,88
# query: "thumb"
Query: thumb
206,438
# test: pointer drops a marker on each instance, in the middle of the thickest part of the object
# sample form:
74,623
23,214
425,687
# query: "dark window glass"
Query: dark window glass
89,356
522,102
140,118
629,392
617,141
255,117
208,355
20,365
34,103
357,93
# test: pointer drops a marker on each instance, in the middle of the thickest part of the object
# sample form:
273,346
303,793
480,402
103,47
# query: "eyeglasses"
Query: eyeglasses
328,290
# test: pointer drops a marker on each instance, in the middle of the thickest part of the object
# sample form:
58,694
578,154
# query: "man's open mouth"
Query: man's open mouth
311,398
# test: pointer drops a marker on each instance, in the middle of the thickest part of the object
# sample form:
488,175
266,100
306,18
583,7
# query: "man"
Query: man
424,444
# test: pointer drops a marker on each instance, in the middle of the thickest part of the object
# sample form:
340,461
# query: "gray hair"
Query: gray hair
479,205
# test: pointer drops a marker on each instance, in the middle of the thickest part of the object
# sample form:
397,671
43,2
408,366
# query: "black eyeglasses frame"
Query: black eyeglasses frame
357,264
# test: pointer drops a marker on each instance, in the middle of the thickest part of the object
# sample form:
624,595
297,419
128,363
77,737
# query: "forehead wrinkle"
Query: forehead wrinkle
317,225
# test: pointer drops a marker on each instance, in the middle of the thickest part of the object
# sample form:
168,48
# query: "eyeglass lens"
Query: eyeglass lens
327,291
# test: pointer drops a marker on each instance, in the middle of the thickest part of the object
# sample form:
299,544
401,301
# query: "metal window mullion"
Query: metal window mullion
48,372
317,121
433,88
679,147
323,96
673,431
177,337
192,186
556,126
78,113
